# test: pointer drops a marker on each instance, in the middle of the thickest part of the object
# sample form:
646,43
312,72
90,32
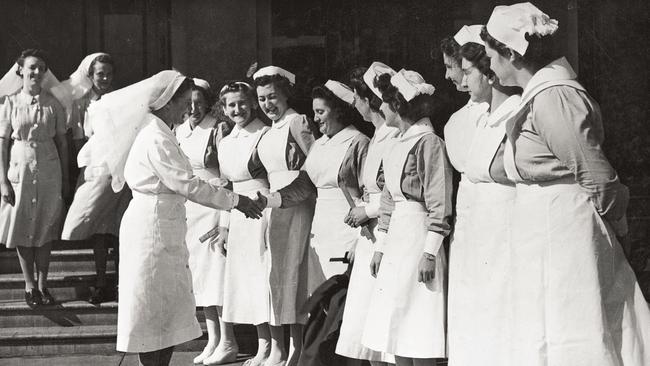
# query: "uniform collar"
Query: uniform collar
185,130
252,127
342,136
288,115
557,70
28,98
420,128
163,126
504,110
384,131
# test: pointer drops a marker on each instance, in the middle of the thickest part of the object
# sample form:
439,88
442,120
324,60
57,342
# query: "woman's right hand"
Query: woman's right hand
249,208
7,192
375,263
221,240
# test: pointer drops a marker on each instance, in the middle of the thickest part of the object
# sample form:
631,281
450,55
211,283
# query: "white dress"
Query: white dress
206,261
406,317
478,267
362,282
247,290
157,308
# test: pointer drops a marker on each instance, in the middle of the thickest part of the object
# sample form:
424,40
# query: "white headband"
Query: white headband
341,90
274,70
471,33
374,71
201,83
411,84
510,24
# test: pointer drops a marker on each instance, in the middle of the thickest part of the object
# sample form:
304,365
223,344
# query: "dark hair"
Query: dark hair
449,47
539,53
475,53
417,108
279,82
30,52
342,110
207,94
104,58
237,87
186,85
359,85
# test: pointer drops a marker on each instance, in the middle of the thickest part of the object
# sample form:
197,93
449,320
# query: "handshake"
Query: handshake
252,208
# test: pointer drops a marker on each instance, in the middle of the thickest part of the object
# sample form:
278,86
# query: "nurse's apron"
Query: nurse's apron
206,261
362,282
157,308
288,233
330,236
406,317
575,299
478,291
246,295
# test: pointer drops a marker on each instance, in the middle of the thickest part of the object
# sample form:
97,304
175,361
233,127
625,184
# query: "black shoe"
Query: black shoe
33,298
47,297
98,296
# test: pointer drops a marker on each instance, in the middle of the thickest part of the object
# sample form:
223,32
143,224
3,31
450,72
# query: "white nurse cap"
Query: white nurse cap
411,84
469,33
274,70
341,90
201,83
374,71
510,24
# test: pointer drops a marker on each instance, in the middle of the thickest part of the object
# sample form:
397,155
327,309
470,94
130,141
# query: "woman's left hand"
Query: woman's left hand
427,268
356,217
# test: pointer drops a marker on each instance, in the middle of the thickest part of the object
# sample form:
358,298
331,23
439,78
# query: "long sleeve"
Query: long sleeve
301,189
299,142
350,173
435,174
172,168
571,126
386,207
5,118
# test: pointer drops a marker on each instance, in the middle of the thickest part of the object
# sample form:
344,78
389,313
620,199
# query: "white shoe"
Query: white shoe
221,356
205,354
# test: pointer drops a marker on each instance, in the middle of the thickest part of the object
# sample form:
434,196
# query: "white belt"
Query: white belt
250,185
160,197
281,179
330,194
410,206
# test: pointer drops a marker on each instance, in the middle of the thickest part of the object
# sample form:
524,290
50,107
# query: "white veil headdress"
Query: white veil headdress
11,83
79,82
118,117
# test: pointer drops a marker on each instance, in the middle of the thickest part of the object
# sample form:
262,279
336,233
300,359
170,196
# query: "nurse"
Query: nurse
575,299
283,151
33,168
333,166
478,291
367,101
247,289
199,137
406,316
133,137
96,210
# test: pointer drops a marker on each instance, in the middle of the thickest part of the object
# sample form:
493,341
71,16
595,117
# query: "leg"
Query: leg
295,344
424,362
100,251
403,361
263,345
42,259
379,363
227,348
278,352
156,358
26,259
212,324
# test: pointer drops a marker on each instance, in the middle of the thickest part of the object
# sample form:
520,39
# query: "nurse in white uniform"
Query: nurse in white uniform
478,296
406,316
367,101
133,137
247,288
283,151
199,137
575,298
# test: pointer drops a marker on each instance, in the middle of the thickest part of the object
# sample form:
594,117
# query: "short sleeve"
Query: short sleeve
570,124
5,117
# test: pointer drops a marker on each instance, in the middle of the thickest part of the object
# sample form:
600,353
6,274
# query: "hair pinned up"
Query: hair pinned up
31,52
357,84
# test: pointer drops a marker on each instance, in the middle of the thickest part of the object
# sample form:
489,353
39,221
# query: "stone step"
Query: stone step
62,285
71,260
92,339
179,358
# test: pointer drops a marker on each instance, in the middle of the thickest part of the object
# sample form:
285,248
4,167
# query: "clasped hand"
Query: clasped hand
252,208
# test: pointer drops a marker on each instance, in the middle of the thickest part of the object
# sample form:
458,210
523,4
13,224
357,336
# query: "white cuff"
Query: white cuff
274,200
380,244
372,211
433,242
224,219
235,200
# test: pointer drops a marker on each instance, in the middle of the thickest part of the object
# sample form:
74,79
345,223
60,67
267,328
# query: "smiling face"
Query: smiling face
501,65
33,71
476,83
326,118
362,105
272,101
453,71
238,108
102,76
